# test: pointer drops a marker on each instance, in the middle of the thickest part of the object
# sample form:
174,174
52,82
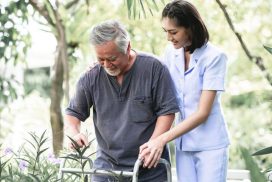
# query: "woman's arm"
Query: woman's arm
154,147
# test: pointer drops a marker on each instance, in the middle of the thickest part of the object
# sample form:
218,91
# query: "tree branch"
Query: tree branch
256,59
42,11
70,4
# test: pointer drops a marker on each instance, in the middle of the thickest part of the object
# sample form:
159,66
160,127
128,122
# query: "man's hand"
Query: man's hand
80,139
151,152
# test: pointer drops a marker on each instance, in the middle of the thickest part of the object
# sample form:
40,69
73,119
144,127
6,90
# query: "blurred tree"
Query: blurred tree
13,46
69,22
258,60
56,15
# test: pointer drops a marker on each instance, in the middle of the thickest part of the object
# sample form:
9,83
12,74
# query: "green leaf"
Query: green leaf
31,144
155,4
42,152
43,141
251,165
48,177
129,4
34,137
84,149
269,49
76,146
264,151
86,178
34,177
143,9
71,158
42,136
84,163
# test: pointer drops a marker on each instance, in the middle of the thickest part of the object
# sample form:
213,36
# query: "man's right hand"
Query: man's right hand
80,139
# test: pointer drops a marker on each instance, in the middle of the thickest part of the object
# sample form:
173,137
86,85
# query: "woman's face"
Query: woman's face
179,36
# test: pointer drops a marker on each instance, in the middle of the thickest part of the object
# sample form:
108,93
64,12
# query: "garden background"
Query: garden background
44,49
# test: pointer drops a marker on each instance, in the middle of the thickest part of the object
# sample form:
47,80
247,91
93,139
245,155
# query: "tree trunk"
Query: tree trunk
56,94
57,90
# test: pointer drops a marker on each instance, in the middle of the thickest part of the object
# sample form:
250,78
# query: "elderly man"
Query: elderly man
132,97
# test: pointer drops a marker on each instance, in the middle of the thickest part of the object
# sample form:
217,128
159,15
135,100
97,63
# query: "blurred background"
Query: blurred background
45,48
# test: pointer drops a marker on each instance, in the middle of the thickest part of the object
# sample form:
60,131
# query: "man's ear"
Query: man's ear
128,48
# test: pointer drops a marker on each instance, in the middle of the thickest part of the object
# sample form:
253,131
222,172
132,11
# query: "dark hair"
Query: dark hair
186,15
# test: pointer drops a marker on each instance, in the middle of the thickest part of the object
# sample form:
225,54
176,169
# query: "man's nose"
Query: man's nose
107,64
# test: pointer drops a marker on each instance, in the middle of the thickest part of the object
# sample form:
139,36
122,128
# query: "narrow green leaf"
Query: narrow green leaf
43,141
129,4
25,160
42,136
143,9
269,49
264,151
74,173
31,144
34,177
34,137
84,163
251,165
86,178
134,9
92,153
48,177
155,5
39,153
84,149
71,158
76,146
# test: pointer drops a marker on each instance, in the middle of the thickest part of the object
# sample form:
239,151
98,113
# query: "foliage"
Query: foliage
245,103
33,163
137,9
255,174
13,46
80,160
29,163
37,80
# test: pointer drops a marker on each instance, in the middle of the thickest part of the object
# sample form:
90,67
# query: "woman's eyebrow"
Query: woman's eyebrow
170,30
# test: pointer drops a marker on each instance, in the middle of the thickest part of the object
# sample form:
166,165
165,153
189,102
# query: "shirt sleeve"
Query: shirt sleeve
214,74
165,99
80,104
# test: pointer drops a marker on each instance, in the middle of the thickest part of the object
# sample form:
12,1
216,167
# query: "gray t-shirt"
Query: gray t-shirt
124,116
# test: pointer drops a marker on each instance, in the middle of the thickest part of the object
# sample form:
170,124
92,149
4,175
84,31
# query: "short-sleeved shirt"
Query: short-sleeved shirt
206,71
124,115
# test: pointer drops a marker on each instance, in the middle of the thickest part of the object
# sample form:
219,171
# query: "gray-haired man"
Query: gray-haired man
132,99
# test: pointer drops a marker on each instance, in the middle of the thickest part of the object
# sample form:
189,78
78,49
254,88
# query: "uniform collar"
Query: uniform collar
179,57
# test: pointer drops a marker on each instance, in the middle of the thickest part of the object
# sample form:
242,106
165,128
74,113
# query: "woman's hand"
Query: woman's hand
151,152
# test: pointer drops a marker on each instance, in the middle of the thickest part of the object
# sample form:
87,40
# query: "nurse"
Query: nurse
198,70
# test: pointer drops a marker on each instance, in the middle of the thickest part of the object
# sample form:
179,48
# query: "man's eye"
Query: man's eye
173,33
111,59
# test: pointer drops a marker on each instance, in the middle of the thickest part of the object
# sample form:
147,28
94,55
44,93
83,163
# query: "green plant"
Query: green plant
79,160
255,172
29,163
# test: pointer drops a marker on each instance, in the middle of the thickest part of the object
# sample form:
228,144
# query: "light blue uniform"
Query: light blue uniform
210,140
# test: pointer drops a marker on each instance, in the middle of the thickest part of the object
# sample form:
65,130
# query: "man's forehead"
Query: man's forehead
107,49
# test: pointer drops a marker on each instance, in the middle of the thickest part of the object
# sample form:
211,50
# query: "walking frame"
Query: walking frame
134,174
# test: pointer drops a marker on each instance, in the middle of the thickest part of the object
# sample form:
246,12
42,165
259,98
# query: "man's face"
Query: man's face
111,59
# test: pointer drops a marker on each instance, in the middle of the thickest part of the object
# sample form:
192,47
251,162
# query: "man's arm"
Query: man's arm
72,129
163,124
